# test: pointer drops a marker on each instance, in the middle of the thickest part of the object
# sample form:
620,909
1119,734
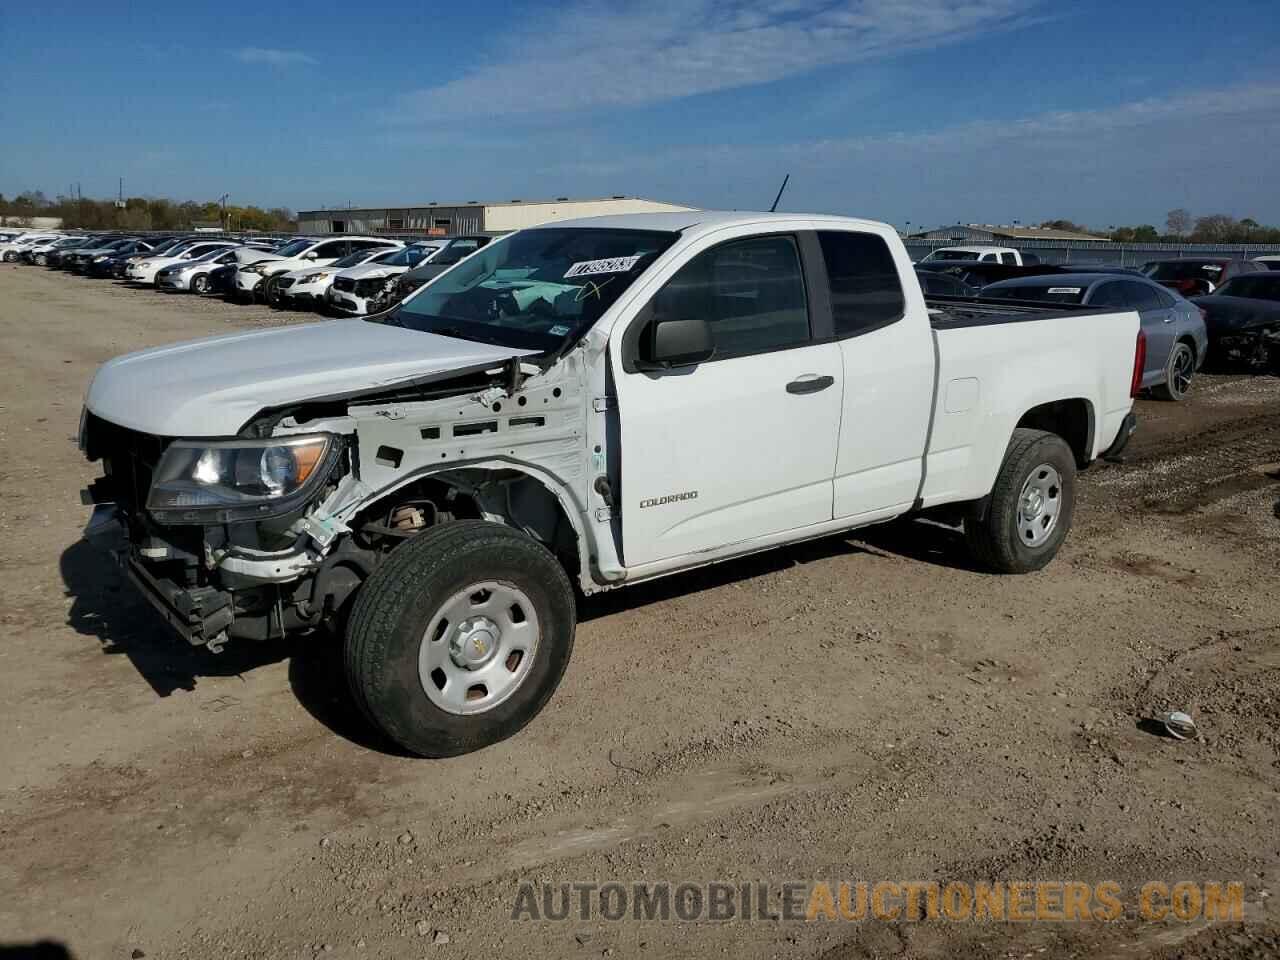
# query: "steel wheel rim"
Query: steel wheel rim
479,648
1181,379
1039,505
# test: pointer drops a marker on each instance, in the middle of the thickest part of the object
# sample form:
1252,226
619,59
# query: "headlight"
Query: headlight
312,277
198,481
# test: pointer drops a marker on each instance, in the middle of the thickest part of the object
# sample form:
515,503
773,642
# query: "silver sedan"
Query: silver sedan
1175,329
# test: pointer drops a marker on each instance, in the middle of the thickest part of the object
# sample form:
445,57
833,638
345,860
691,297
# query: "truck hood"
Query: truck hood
212,387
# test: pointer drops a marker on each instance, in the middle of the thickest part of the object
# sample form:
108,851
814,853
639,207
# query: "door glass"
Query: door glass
750,292
1110,295
865,290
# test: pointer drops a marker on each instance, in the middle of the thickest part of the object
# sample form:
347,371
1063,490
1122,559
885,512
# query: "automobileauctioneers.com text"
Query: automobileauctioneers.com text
883,900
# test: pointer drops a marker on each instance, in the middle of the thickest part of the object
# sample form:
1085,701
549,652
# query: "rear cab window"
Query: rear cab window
866,291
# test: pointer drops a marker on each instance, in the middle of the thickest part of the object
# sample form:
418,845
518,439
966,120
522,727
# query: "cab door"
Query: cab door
741,445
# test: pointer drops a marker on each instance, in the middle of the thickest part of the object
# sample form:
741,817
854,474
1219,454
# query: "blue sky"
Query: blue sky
903,110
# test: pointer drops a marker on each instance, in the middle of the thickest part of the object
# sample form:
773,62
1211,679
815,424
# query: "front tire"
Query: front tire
200,283
460,638
1024,521
271,292
1178,371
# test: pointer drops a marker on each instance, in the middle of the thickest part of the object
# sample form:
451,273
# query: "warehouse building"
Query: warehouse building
441,219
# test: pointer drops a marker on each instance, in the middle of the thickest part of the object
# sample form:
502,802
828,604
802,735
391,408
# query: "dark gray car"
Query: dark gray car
1175,328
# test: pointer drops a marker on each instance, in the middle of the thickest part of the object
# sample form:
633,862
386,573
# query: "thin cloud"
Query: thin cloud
602,55
1104,163
272,57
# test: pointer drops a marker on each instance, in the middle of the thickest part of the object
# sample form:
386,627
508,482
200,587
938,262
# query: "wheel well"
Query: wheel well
504,496
1072,420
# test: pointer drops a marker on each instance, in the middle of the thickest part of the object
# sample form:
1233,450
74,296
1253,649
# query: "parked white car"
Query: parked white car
144,271
980,254
308,286
604,401
255,282
12,250
193,275
356,289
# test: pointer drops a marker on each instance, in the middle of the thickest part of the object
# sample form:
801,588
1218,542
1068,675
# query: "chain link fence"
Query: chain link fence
1093,253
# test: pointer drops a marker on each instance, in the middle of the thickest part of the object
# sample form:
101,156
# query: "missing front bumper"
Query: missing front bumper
200,615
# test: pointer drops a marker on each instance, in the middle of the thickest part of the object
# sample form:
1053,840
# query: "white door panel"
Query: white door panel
723,452
888,396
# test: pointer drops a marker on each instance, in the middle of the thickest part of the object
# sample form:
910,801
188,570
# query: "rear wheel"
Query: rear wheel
1029,512
460,638
1177,373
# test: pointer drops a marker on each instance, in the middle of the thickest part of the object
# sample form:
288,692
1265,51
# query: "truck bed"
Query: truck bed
953,312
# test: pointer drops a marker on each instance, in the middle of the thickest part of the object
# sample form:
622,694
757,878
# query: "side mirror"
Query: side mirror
309,255
678,343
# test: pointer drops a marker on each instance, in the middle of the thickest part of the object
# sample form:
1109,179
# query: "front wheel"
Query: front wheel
1029,512
271,292
1178,371
460,638
200,283
10,257
41,260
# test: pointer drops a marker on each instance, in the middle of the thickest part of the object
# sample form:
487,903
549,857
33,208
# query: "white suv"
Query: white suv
255,281
309,286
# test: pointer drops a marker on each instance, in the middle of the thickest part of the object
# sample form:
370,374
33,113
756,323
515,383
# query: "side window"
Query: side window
1163,296
369,245
750,292
1008,258
987,258
1142,297
331,250
866,292
1110,295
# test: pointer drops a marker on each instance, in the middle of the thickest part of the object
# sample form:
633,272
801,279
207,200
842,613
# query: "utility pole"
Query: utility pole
223,201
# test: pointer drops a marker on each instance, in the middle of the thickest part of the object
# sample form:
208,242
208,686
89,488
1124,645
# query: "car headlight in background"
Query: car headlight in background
312,277
201,481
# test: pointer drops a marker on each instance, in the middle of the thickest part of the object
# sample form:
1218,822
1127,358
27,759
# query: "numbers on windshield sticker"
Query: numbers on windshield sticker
1064,289
585,268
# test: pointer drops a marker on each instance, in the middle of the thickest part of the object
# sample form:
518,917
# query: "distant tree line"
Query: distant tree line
1181,226
140,213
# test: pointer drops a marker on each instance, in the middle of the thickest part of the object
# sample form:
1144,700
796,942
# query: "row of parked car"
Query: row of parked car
1192,309
346,275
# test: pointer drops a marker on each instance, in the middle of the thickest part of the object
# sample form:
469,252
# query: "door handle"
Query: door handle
810,383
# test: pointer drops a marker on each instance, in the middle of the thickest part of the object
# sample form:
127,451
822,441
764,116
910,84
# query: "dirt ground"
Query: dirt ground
860,708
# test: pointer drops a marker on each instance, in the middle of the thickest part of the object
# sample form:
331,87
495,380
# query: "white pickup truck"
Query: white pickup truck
599,401
980,254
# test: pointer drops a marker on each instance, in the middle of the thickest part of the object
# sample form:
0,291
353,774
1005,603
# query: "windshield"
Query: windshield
209,255
952,255
453,251
295,247
534,290
1164,271
351,260
407,257
1258,286
1045,293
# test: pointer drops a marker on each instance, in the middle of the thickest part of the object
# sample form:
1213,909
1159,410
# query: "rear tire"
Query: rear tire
424,623
1029,512
1178,371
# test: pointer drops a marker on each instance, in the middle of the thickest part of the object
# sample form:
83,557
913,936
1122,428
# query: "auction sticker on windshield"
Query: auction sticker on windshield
612,265
1064,289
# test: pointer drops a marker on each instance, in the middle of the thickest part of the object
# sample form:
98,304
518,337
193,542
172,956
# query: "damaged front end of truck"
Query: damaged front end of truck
274,530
